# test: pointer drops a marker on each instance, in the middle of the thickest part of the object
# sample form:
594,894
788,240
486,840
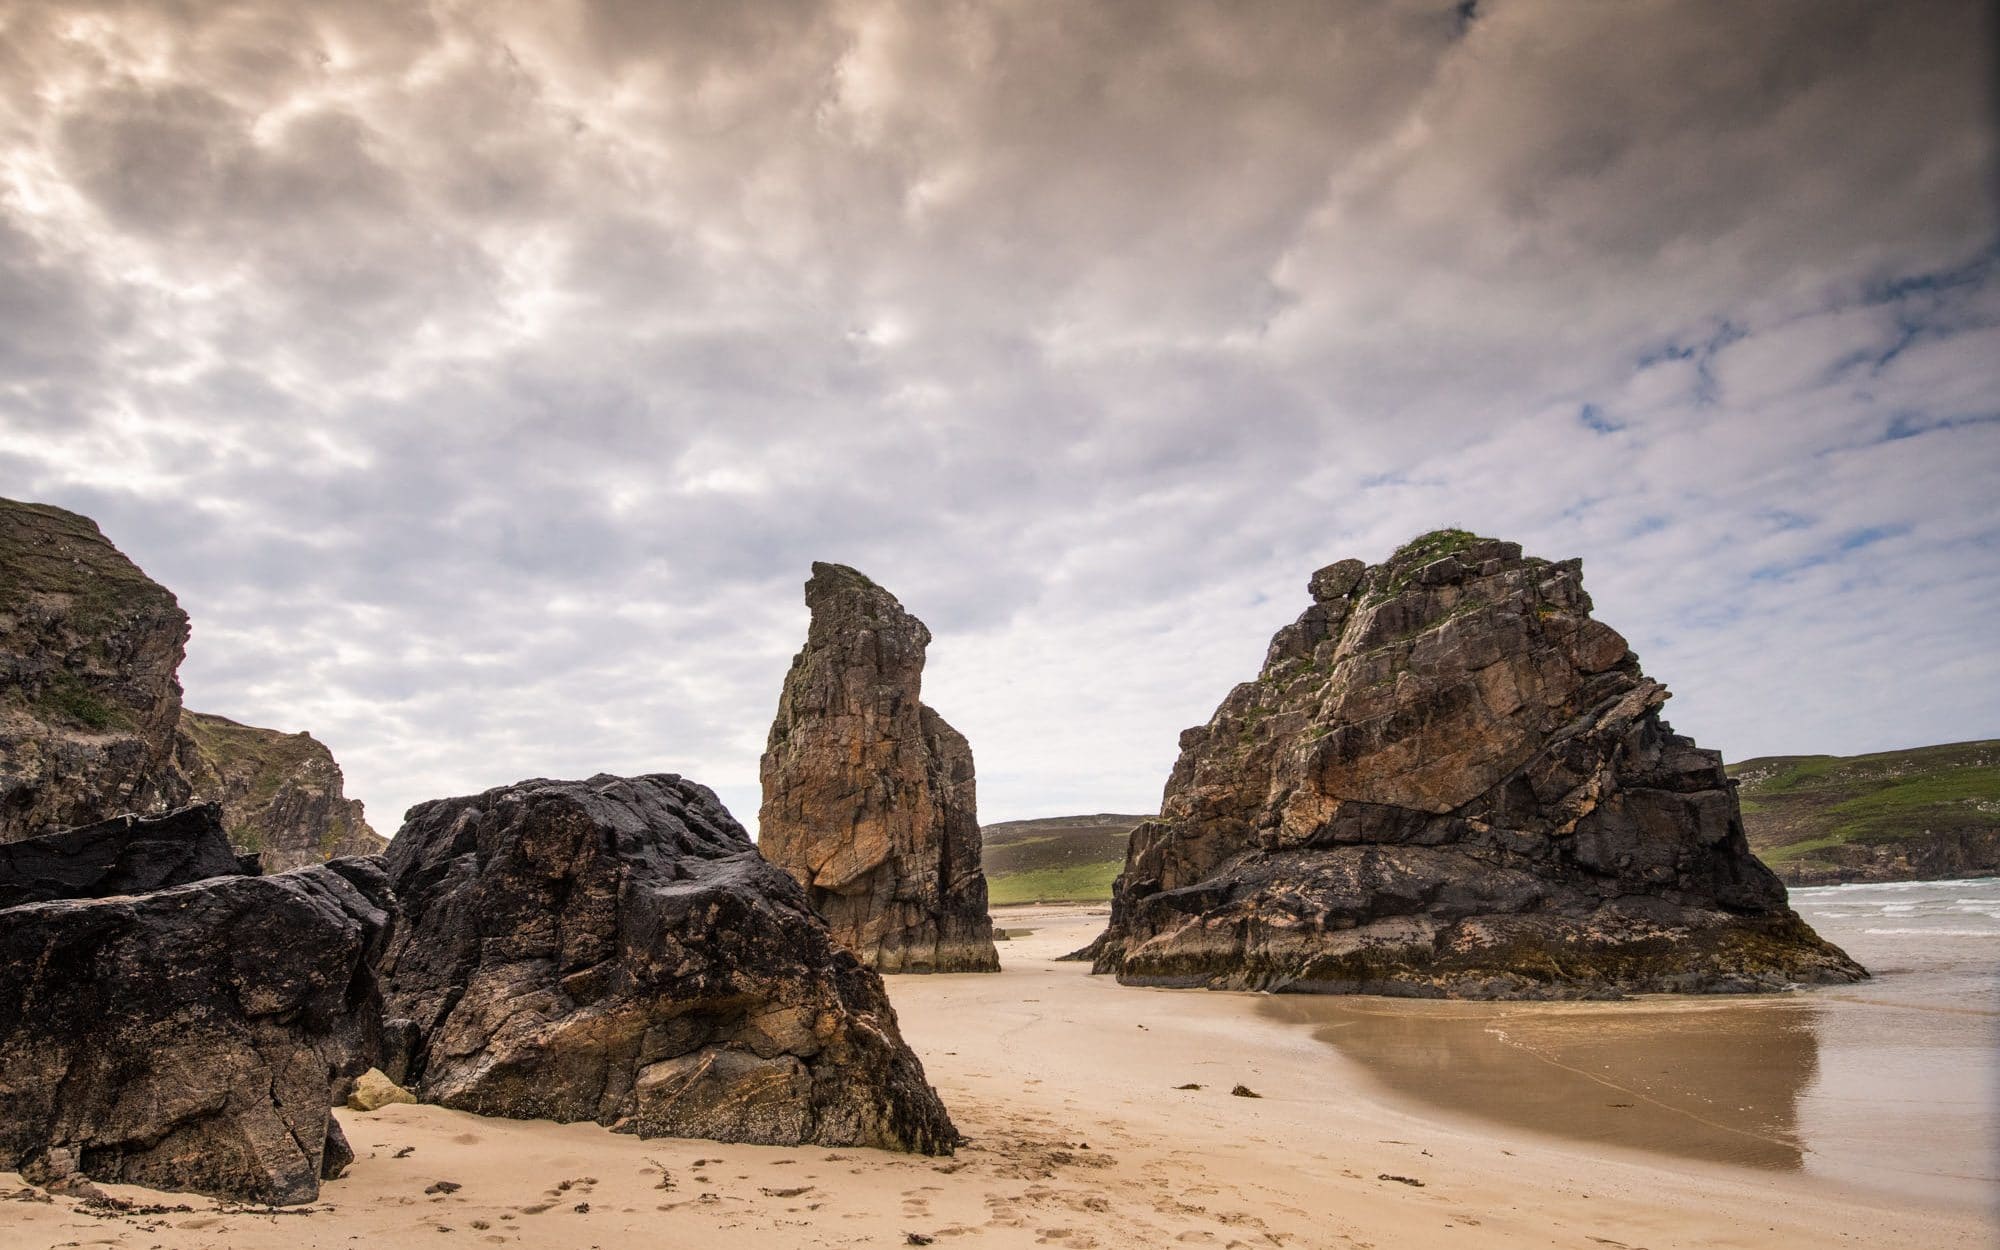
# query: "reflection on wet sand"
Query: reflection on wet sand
1707,1079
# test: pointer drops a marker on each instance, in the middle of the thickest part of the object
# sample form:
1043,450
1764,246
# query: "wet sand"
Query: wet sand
1890,1086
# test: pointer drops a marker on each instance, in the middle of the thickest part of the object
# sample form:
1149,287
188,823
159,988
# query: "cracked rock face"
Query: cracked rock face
190,1038
1449,780
124,855
89,646
869,797
616,950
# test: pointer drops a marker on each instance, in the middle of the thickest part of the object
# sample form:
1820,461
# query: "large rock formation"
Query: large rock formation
616,950
123,855
88,700
281,794
1450,780
868,794
190,1038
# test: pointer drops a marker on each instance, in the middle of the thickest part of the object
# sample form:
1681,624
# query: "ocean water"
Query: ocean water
1890,1085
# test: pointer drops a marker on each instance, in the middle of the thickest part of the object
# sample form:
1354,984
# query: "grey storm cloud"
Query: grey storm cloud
485,377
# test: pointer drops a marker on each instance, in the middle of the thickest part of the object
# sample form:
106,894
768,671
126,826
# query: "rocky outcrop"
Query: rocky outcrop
191,1038
869,795
1449,780
88,699
281,794
124,855
616,950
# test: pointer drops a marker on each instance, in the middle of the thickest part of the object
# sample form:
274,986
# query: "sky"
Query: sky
484,376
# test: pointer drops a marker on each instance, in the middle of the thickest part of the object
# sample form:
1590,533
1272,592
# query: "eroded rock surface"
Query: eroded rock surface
89,646
123,855
281,794
869,798
616,950
1450,780
191,1038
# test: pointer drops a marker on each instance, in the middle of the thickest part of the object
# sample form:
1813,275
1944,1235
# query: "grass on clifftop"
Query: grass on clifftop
47,550
267,757
1797,805
1435,545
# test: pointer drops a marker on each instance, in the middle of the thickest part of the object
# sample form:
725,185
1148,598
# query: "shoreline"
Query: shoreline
1065,1084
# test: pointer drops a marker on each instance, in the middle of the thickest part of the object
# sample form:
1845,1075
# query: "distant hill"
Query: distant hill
1926,813
1056,859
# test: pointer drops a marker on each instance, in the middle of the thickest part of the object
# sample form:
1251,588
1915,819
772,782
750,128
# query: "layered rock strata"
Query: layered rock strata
1449,780
281,794
191,1038
89,646
869,796
124,855
616,950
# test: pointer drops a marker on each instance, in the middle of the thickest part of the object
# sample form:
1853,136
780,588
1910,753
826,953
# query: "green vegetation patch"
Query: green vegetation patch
1435,545
1082,883
1797,806
66,698
1057,859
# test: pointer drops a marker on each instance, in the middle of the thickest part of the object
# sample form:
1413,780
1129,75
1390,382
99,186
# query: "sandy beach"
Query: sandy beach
1069,1087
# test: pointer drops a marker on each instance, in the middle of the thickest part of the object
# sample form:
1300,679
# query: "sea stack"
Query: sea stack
1450,781
616,950
868,794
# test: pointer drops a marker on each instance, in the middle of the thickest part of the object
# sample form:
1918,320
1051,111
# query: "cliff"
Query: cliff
89,646
91,721
281,794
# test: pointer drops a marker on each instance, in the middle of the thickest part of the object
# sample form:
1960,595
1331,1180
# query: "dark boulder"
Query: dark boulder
1449,779
616,950
191,1038
123,855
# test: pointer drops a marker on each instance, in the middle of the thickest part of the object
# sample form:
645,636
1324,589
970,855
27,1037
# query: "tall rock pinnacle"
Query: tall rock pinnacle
868,794
1450,780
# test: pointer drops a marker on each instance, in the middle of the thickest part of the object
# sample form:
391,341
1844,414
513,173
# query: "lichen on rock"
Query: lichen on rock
1449,779
869,795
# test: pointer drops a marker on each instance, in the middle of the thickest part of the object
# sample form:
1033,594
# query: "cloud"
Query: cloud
485,378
